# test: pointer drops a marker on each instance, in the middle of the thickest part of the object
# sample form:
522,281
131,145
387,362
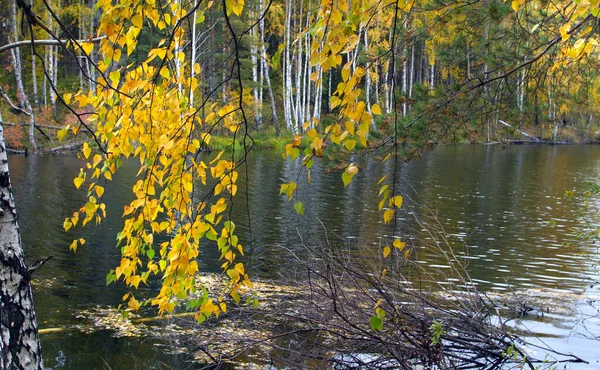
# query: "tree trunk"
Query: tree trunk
193,56
265,65
254,59
19,341
287,80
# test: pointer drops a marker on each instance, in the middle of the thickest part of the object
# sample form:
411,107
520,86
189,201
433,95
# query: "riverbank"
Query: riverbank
255,337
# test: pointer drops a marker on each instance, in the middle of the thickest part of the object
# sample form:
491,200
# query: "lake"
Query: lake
507,204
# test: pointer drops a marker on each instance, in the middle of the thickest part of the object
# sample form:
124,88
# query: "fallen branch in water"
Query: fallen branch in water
66,147
519,131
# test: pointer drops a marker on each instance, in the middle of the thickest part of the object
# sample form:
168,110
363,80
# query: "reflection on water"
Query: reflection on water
499,202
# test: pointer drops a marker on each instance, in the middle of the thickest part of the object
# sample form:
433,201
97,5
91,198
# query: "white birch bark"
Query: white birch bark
368,80
35,102
254,60
287,80
299,70
16,56
20,347
54,79
329,91
404,85
265,66
45,81
411,75
521,90
377,81
319,90
306,78
193,56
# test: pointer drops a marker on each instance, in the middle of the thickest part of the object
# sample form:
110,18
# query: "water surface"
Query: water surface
506,204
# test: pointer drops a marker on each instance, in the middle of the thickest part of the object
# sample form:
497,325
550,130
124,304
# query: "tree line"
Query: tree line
446,68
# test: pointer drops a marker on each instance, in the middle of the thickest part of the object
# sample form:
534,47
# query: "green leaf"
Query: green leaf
376,323
299,207
111,277
277,56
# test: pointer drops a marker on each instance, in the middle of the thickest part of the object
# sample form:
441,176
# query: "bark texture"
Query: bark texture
19,341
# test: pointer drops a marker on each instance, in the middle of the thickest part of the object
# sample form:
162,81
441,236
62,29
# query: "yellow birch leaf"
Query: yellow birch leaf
61,133
73,246
78,181
137,20
515,5
388,215
99,190
386,251
398,244
86,150
376,109
396,201
67,98
87,47
349,144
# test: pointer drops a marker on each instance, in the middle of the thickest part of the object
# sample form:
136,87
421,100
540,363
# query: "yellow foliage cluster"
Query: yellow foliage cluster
141,111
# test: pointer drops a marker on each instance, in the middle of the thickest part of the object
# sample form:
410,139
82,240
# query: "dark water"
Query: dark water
507,204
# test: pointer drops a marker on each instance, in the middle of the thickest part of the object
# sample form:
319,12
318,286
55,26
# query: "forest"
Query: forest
449,71
180,95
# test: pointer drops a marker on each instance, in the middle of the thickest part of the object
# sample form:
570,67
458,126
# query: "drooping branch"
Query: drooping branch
49,42
13,107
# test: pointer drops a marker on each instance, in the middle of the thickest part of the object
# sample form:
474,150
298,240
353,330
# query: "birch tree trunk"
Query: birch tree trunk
20,347
265,65
368,81
298,111
35,104
404,85
22,99
54,79
254,59
16,56
411,75
193,57
287,80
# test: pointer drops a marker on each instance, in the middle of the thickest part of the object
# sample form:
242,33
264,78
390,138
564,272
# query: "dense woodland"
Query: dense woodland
445,70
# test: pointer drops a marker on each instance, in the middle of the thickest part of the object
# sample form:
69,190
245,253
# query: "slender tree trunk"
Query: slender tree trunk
265,65
20,347
91,71
35,104
34,84
329,90
318,90
299,70
377,81
45,81
368,80
404,85
411,75
81,57
589,124
23,101
307,70
54,80
254,59
16,57
287,80
193,56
